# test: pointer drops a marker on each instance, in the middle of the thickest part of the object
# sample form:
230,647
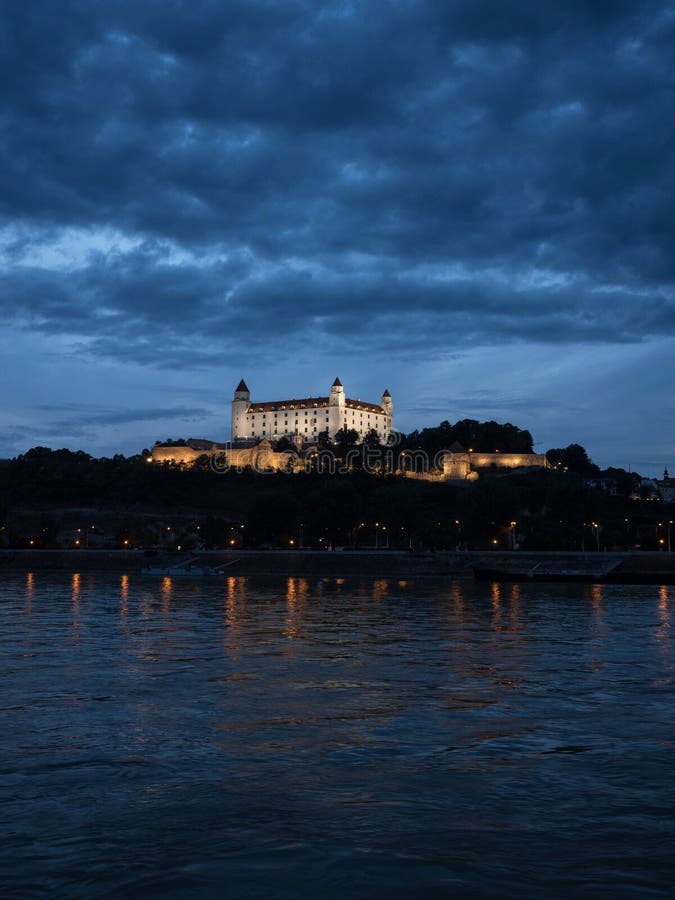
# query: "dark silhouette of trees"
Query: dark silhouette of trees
572,458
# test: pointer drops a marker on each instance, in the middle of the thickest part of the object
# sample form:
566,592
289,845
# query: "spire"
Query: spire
386,393
241,386
337,383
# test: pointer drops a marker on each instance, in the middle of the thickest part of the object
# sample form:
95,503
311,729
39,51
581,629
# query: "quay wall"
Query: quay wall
381,563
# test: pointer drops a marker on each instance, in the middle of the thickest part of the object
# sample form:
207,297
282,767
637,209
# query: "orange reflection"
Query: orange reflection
296,594
75,585
496,594
380,589
230,599
30,590
167,588
233,593
514,606
597,597
124,594
662,633
291,629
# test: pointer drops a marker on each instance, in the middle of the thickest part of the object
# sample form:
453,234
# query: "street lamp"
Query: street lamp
596,528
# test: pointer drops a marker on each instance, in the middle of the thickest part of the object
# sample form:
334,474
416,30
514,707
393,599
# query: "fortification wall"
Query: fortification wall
507,460
262,457
174,454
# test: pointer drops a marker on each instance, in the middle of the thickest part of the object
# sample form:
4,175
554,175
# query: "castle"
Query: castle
257,427
308,418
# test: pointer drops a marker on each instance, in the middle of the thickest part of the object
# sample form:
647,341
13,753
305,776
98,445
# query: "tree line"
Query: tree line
545,509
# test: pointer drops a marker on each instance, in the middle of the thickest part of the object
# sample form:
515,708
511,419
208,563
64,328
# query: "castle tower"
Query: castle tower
336,408
388,410
240,405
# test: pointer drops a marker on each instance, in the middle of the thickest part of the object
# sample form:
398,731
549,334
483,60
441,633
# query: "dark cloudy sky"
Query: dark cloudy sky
470,203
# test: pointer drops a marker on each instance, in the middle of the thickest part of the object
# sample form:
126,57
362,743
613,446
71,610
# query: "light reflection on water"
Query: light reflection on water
296,736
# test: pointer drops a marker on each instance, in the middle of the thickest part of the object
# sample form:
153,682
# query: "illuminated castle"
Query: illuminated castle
310,417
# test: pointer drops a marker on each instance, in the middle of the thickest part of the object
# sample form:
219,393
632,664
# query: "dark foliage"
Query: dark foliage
552,509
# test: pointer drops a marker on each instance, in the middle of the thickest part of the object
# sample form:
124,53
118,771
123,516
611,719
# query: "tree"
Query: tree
346,439
573,458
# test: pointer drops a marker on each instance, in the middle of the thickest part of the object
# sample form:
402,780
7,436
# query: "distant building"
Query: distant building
666,487
309,417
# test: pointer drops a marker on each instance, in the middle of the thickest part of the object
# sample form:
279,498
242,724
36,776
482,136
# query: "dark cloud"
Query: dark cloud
182,183
77,422
82,416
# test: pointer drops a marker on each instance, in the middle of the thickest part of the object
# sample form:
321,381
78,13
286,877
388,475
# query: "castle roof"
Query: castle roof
311,403
304,403
361,404
337,383
241,386
386,393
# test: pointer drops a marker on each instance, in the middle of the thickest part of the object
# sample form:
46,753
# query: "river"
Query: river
286,737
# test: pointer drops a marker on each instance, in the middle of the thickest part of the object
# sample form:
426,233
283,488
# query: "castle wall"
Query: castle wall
308,422
507,460
262,457
173,454
463,465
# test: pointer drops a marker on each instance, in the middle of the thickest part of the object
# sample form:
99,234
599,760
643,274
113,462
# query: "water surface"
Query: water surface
287,737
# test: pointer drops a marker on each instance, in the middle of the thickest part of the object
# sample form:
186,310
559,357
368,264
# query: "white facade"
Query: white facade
308,417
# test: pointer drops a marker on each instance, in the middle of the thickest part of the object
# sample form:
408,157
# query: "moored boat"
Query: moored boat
192,568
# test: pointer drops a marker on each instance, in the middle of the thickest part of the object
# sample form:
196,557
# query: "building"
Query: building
666,488
258,426
307,418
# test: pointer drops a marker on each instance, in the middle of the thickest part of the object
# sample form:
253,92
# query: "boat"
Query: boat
192,568
592,573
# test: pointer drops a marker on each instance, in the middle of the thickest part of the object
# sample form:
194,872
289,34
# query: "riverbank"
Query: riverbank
649,567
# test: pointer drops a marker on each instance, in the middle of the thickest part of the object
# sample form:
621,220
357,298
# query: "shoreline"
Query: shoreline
649,567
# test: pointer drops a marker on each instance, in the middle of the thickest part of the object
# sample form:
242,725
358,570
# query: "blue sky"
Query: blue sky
469,203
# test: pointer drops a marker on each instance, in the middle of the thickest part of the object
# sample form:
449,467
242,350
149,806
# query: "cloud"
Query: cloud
188,185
